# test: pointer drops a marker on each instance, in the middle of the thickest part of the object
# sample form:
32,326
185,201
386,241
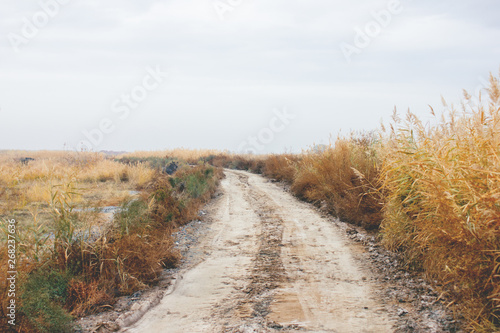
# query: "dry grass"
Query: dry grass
343,178
100,180
86,298
281,167
191,156
82,167
443,203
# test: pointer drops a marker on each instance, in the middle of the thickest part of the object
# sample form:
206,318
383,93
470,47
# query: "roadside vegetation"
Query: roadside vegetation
73,258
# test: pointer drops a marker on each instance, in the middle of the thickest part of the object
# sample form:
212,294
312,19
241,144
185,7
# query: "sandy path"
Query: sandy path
273,264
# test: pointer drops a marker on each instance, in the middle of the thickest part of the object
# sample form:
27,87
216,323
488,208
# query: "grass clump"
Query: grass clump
281,167
342,178
196,184
43,295
133,217
442,211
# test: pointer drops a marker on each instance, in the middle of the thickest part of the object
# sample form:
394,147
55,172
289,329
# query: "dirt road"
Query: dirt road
272,264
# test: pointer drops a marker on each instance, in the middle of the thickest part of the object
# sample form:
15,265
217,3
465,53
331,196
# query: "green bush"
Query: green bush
43,296
196,185
133,217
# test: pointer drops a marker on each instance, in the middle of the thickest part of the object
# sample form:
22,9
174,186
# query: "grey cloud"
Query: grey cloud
226,76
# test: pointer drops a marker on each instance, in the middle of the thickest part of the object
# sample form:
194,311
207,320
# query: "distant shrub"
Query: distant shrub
281,167
345,178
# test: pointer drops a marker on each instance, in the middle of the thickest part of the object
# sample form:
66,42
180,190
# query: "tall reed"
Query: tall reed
442,211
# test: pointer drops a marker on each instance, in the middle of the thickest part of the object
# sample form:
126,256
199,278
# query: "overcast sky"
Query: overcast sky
256,75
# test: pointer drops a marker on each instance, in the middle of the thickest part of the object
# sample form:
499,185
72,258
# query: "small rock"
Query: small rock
171,168
402,312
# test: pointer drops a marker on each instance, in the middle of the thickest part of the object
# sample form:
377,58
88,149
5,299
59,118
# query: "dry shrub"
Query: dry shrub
344,177
443,193
85,298
258,165
138,174
281,167
193,187
135,261
135,258
165,207
218,160
191,156
247,162
244,162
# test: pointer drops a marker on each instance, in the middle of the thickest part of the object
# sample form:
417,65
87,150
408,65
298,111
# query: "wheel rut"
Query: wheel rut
249,308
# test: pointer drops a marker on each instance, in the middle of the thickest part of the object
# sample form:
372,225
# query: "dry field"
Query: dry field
91,180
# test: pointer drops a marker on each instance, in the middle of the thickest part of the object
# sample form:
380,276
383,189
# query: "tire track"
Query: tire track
249,308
